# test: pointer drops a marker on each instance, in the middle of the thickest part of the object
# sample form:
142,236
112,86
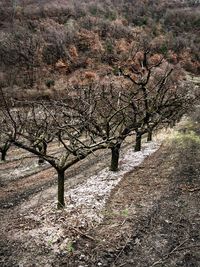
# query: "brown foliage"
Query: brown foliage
90,34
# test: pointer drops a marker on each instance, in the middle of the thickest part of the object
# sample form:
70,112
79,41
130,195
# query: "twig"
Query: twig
121,251
122,264
189,247
123,221
194,189
170,253
81,233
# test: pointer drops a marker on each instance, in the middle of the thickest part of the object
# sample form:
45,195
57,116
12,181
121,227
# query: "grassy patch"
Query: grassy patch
187,139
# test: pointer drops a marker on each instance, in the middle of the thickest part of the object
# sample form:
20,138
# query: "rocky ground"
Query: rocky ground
151,217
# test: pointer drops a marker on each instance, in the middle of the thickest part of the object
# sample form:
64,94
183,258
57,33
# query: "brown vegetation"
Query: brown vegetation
37,36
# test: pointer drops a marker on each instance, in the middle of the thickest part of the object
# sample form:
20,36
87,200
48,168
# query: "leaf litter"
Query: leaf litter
85,204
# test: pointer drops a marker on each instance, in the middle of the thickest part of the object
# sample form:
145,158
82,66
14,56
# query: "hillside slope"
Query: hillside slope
50,45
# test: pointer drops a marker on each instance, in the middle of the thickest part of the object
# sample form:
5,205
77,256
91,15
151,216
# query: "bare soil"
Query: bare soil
151,218
22,178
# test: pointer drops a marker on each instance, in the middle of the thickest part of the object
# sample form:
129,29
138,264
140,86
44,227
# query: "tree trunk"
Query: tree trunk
149,136
138,142
115,158
41,161
3,155
61,182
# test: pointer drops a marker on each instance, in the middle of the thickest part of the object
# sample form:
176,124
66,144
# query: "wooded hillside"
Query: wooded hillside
46,46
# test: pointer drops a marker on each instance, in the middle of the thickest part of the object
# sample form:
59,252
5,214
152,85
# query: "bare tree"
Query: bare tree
106,109
62,125
39,128
5,142
157,96
9,120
